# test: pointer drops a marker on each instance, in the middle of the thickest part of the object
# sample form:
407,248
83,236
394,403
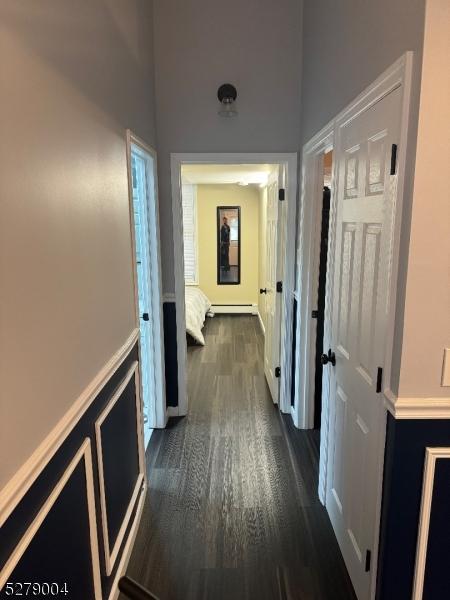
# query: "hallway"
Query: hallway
232,510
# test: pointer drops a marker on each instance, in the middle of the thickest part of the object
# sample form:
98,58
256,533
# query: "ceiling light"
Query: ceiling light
227,95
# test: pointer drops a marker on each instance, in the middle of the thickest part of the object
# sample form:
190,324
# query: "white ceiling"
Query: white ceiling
227,174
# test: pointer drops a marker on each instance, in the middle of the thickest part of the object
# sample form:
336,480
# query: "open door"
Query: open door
365,204
275,243
144,212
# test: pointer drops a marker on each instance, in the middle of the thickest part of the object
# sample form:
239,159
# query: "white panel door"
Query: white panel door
146,236
364,221
273,299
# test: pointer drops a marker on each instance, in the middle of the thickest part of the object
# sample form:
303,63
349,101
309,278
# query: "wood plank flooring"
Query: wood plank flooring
232,511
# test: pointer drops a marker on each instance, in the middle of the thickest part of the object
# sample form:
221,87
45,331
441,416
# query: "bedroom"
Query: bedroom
230,224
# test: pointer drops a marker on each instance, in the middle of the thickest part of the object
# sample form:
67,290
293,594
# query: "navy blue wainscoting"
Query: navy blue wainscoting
170,353
437,567
120,458
406,443
60,551
294,349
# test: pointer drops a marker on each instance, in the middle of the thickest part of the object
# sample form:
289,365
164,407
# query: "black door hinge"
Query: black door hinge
279,286
379,379
277,371
314,314
281,194
393,159
368,560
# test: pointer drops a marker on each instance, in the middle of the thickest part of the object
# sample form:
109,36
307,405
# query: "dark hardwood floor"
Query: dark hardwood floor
232,511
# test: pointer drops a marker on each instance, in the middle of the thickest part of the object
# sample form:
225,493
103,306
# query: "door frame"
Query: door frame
159,413
397,75
289,162
308,255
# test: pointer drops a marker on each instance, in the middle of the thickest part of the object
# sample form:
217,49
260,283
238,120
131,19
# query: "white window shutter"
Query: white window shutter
189,199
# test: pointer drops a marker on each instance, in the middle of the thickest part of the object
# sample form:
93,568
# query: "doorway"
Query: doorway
368,140
278,288
365,201
143,196
319,313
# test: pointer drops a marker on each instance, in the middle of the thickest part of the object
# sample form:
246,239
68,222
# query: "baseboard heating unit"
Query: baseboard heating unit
235,309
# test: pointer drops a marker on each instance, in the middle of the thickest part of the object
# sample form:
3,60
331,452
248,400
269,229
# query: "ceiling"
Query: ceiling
227,174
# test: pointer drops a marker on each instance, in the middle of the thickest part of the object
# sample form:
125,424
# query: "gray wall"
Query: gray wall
73,77
346,46
200,44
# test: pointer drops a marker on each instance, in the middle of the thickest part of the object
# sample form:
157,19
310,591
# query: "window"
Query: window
189,199
234,229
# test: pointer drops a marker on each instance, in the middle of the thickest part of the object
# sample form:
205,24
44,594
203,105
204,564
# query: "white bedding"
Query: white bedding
197,305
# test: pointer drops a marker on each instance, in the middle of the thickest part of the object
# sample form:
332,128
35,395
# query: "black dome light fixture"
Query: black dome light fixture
227,95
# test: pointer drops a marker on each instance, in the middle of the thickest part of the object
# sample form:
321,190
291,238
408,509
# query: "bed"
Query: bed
197,305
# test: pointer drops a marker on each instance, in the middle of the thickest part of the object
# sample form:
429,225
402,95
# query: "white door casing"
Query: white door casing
288,163
139,176
144,217
272,300
365,210
307,259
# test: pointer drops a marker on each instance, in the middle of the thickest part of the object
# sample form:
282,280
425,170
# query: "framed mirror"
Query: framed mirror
228,245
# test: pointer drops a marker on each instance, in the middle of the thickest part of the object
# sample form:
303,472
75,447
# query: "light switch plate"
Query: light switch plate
446,368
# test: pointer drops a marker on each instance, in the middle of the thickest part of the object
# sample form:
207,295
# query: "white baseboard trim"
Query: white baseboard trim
235,309
126,554
261,324
416,408
21,482
294,415
172,411
169,297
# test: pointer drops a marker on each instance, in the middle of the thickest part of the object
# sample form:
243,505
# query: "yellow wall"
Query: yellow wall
209,197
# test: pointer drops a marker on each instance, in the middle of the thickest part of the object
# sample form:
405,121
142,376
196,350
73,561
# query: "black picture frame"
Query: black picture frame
221,279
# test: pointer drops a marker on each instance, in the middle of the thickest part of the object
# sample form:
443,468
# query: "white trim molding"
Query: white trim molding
18,486
416,408
431,456
84,453
111,553
261,323
172,411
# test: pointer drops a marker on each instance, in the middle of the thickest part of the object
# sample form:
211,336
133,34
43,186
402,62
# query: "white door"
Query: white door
148,287
364,220
273,299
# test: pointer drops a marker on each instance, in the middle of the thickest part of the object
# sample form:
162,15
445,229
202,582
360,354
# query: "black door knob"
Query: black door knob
263,291
145,317
328,358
